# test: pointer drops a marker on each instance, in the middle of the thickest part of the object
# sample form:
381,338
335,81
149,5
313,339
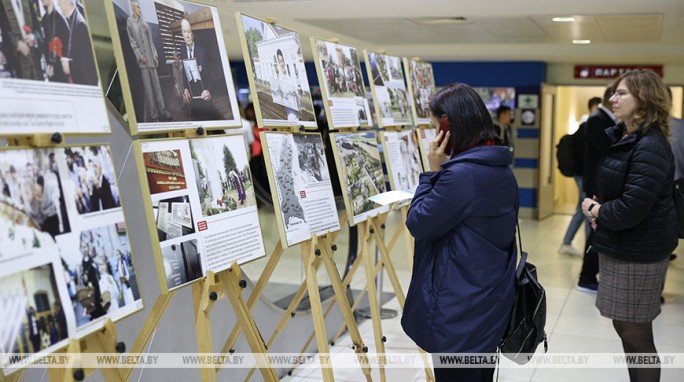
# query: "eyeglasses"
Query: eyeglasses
620,93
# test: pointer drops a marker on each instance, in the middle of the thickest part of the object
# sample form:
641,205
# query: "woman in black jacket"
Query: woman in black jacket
633,215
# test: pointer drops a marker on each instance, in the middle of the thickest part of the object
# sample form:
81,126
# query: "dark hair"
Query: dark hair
502,109
469,121
280,53
593,101
610,88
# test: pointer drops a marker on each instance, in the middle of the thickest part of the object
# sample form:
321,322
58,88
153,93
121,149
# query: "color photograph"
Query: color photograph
390,94
274,57
421,83
176,64
221,167
33,196
164,171
99,273
174,218
182,263
344,93
33,317
91,172
361,170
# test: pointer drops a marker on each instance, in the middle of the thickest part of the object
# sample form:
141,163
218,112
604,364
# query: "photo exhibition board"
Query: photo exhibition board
360,168
298,175
343,91
201,208
425,136
402,157
390,96
66,258
276,74
173,64
49,81
421,87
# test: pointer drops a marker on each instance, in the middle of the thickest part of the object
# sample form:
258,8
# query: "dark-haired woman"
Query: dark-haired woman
634,215
463,217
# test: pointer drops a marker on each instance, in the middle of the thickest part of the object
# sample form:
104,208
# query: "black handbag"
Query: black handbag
525,329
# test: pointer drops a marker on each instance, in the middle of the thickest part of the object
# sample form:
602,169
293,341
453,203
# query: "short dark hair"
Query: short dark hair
469,120
280,53
593,101
502,109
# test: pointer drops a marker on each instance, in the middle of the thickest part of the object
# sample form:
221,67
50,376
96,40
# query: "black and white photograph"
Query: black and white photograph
174,217
182,263
311,157
344,93
175,63
98,269
389,90
33,195
91,172
402,158
278,77
33,316
224,182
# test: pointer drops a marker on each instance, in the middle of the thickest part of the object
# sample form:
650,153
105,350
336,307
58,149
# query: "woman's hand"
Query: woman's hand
437,154
594,213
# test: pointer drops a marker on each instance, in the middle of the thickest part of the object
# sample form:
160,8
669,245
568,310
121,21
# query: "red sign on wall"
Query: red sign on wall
611,71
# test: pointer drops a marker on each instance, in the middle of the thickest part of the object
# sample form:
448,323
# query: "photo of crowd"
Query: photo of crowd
275,58
33,318
46,40
99,273
422,82
32,189
92,173
387,81
174,62
222,175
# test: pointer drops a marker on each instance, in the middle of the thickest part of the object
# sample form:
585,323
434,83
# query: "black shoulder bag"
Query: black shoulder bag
525,329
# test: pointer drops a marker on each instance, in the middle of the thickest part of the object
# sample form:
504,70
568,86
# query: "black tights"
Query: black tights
638,338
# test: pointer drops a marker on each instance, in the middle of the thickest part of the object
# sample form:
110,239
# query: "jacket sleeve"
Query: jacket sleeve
442,200
645,179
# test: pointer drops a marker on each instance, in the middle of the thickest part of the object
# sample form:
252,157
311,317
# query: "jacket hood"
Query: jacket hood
487,155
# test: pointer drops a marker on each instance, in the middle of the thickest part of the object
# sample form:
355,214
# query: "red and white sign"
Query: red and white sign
611,71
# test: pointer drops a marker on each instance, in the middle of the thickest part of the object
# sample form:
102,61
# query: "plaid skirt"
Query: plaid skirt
630,291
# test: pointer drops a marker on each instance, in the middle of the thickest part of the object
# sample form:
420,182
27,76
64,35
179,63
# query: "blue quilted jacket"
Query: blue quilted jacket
463,218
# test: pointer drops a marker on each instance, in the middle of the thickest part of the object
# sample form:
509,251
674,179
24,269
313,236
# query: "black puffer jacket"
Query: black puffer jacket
637,220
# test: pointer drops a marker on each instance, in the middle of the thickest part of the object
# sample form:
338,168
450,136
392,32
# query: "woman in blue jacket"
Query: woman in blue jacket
634,214
463,217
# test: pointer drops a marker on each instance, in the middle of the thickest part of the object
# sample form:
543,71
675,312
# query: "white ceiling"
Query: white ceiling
622,31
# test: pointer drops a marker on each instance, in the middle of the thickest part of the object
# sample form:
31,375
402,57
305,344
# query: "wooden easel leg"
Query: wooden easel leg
200,291
407,237
341,298
148,329
256,293
389,267
104,341
373,301
16,376
231,280
317,309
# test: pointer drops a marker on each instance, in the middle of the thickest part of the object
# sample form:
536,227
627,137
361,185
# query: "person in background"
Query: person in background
677,143
596,142
634,215
504,118
78,60
578,218
56,35
463,217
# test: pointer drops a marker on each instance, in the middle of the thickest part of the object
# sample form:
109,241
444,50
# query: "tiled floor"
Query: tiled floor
573,324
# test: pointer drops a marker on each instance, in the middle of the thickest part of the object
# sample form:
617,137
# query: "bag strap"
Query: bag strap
523,254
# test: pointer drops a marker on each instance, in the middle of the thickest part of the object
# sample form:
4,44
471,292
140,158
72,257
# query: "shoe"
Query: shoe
587,287
567,249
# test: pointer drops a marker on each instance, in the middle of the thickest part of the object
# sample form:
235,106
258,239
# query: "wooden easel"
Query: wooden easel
206,292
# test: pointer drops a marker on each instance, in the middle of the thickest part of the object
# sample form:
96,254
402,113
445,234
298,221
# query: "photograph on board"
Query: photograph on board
222,174
390,94
47,56
182,263
164,171
176,64
174,217
344,92
273,55
421,82
91,172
